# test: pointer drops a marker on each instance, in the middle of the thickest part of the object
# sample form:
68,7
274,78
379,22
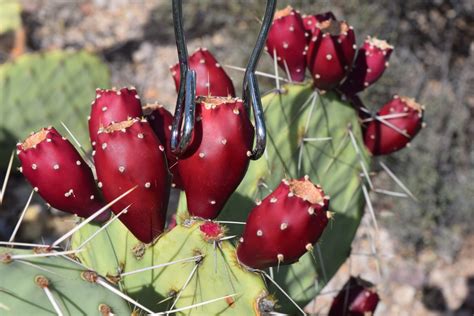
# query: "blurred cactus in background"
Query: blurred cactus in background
10,19
47,88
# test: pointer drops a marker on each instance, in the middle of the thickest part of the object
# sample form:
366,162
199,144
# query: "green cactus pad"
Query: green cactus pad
9,15
218,273
291,115
44,89
21,294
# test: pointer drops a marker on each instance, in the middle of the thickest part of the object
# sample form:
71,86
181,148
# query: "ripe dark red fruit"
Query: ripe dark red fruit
59,174
211,79
129,155
370,63
400,120
218,155
161,121
288,41
356,298
112,106
284,225
331,53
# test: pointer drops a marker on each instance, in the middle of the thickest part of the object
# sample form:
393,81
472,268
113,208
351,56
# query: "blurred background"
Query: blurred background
54,53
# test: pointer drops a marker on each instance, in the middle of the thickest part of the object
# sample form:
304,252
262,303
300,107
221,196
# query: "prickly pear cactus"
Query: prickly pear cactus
317,135
44,89
199,265
194,267
25,281
314,135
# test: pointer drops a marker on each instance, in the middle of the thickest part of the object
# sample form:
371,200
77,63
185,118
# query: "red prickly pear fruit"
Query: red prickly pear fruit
59,174
161,121
211,79
310,21
129,155
331,53
356,298
112,106
218,155
370,63
399,121
285,225
287,39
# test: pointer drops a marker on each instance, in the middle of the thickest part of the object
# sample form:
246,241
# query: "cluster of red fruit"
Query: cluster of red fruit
131,150
131,147
327,48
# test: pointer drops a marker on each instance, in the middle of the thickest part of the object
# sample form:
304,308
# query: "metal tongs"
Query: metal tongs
182,129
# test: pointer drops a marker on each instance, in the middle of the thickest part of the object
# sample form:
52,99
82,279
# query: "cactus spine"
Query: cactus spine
200,265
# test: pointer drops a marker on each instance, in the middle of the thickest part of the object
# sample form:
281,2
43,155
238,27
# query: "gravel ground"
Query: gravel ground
408,284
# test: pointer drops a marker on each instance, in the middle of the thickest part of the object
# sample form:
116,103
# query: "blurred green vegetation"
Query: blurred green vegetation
43,89
10,18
